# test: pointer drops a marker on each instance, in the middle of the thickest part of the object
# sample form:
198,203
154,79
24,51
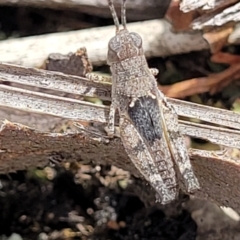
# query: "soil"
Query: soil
64,208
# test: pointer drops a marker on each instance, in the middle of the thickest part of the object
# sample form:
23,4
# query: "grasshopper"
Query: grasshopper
148,123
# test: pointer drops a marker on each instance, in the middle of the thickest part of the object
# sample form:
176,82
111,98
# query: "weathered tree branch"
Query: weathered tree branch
59,82
158,40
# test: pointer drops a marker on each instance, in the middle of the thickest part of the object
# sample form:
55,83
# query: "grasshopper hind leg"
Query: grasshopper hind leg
183,162
178,146
111,121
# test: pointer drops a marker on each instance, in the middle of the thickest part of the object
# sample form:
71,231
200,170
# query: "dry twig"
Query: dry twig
158,40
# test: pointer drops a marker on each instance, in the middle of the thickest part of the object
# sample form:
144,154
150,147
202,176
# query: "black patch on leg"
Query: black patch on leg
145,115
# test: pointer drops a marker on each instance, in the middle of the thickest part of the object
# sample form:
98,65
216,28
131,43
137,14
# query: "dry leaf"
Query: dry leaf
225,58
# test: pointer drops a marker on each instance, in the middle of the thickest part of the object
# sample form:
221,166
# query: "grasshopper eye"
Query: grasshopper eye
115,43
136,39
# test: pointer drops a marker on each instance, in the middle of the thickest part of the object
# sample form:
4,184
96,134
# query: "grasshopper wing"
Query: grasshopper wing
147,147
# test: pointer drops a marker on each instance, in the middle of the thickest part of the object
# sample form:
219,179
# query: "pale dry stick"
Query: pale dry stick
55,81
67,108
52,105
218,135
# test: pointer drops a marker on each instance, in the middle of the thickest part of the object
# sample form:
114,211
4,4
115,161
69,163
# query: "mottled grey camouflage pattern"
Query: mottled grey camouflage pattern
148,124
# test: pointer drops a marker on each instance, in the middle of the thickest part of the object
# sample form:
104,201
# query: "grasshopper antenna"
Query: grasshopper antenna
114,14
123,14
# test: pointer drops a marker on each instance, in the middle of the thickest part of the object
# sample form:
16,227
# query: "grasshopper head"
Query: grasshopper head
124,45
